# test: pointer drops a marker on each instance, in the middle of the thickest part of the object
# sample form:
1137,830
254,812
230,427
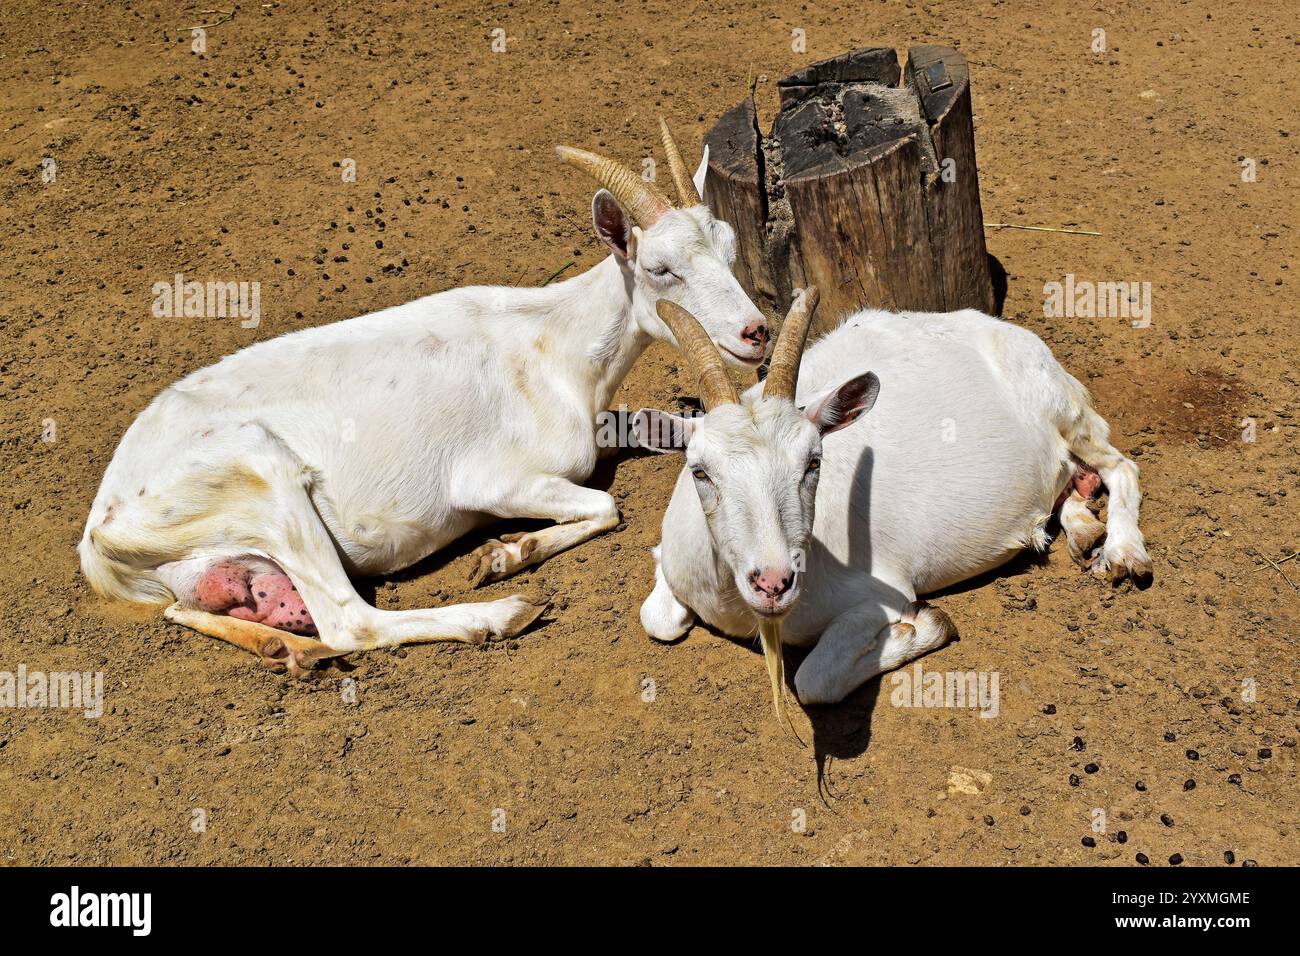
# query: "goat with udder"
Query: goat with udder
975,437
247,493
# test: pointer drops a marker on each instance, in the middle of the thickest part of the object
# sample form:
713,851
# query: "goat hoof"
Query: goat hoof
483,568
1141,573
1119,563
1082,545
275,655
293,653
531,608
501,557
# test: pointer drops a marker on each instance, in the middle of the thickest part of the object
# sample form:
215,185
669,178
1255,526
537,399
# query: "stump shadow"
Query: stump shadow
998,274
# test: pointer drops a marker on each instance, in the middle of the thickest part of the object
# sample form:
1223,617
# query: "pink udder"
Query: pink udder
222,587
1086,482
269,599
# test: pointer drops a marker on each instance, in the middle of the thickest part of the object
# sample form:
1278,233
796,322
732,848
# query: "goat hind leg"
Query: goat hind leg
1081,527
266,510
300,544
1124,554
277,649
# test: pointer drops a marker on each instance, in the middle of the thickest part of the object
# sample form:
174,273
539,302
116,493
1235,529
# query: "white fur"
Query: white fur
958,467
363,446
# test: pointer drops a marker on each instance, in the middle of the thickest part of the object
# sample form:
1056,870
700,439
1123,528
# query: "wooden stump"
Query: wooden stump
865,188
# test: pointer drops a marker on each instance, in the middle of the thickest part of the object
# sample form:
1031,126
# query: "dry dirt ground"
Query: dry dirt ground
225,166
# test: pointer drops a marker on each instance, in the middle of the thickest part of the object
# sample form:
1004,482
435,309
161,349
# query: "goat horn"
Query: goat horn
686,191
640,198
783,370
701,354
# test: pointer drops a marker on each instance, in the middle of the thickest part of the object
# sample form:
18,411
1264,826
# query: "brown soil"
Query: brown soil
224,166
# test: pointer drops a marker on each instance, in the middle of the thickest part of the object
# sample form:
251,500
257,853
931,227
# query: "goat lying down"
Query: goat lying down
975,436
246,494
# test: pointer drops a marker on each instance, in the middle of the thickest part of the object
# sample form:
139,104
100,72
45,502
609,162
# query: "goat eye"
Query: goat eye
813,465
700,474
662,272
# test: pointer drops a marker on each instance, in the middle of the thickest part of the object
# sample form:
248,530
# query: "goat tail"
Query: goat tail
107,566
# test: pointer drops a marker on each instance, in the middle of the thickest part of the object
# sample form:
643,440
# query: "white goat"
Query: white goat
976,438
247,492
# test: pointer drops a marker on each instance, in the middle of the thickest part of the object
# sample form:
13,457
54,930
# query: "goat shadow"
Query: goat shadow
843,730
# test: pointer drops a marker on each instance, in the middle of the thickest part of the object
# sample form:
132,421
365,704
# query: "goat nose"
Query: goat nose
755,332
772,582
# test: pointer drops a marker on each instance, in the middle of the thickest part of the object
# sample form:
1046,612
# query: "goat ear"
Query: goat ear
843,406
660,431
701,172
611,222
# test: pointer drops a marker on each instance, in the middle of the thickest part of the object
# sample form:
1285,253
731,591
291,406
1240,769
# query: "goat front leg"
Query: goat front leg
883,632
663,616
581,513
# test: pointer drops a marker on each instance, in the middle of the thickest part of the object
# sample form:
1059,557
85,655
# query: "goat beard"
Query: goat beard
770,631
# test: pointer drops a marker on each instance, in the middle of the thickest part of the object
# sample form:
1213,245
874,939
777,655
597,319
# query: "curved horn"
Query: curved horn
638,197
783,370
686,191
701,354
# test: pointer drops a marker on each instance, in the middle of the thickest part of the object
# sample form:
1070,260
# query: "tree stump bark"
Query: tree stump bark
865,187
